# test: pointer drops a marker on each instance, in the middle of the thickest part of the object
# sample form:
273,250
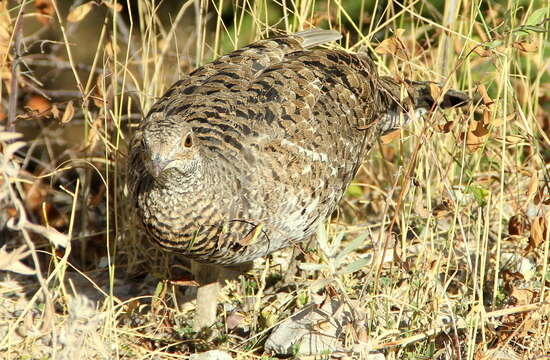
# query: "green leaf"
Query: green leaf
355,191
159,288
356,265
537,17
336,242
352,246
479,193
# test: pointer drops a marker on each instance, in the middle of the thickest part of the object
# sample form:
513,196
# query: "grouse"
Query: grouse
252,152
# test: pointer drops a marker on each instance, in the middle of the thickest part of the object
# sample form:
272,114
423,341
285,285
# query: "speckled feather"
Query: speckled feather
250,153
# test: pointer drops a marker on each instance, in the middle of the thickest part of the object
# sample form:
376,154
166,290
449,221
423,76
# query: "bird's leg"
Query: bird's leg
298,255
208,277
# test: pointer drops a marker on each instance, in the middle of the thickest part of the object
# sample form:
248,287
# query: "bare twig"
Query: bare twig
14,91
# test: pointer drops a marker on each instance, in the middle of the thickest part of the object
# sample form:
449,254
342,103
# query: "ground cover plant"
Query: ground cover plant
440,246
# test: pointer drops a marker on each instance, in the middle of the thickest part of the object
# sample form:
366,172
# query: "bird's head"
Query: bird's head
171,149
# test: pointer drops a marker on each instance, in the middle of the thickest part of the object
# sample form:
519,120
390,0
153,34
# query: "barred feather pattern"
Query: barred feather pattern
252,152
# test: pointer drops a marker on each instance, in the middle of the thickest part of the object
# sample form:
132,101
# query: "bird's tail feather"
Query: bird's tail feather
314,37
420,97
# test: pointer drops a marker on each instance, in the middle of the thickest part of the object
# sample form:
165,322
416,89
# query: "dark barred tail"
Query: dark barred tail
416,96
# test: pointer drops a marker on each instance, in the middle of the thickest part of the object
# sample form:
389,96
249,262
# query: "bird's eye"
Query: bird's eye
188,141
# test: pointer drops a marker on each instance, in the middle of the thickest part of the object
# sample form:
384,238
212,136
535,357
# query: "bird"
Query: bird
252,152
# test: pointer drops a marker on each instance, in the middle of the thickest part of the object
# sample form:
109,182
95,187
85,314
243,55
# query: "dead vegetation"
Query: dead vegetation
439,250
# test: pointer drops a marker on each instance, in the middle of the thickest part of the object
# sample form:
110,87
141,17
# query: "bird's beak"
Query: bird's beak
157,165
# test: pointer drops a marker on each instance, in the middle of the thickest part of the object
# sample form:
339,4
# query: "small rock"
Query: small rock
313,331
211,355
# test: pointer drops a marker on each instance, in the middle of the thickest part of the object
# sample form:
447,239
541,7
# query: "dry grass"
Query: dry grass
451,214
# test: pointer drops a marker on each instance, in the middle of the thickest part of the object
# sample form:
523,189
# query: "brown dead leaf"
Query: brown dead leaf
391,136
80,12
517,224
480,129
510,277
38,105
234,320
435,91
528,47
45,11
447,127
487,101
69,113
522,296
538,232
443,209
35,195
481,32
11,212
496,122
392,45
476,135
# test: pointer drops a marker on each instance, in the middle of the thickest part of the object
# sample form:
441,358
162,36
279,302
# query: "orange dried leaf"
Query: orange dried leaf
38,104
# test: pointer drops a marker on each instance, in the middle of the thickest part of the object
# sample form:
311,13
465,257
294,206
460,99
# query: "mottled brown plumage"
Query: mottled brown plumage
250,153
